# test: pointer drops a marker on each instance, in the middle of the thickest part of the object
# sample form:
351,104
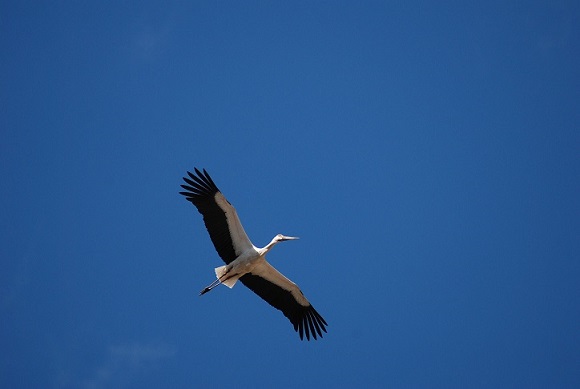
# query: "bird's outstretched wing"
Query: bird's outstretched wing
283,294
220,217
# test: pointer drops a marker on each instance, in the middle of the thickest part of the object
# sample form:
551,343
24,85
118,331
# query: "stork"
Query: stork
246,262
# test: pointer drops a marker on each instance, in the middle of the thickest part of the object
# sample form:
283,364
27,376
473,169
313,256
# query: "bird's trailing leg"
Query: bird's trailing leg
223,277
210,287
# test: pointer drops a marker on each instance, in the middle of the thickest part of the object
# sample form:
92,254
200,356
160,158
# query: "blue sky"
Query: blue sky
426,153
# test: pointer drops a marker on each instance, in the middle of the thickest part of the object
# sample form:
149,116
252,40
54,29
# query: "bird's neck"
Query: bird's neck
269,246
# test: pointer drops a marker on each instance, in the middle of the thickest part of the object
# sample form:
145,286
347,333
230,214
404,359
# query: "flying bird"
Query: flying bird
246,262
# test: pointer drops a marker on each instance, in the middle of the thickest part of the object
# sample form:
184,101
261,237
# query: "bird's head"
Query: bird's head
277,239
282,238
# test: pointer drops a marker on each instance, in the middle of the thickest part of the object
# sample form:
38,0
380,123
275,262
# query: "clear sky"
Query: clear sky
426,153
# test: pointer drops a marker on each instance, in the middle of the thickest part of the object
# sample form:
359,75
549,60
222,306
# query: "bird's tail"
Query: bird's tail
229,281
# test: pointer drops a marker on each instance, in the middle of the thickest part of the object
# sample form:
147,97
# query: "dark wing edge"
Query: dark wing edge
200,191
305,319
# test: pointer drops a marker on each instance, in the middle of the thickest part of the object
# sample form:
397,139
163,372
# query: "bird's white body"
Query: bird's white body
244,264
253,260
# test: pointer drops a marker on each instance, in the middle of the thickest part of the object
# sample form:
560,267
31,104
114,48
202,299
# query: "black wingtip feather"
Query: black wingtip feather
199,187
309,323
314,325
